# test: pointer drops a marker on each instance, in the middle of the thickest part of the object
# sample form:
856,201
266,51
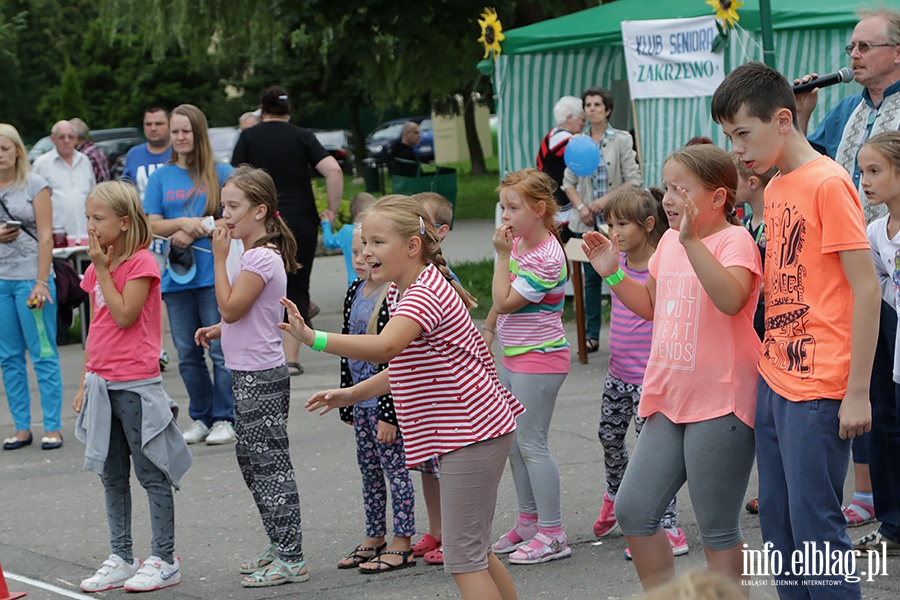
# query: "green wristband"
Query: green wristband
321,341
615,278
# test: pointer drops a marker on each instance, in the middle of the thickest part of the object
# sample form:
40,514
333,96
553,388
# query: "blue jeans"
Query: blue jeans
211,398
802,463
593,301
21,334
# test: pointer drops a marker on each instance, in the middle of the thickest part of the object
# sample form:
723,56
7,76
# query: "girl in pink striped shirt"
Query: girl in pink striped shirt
528,292
636,217
449,401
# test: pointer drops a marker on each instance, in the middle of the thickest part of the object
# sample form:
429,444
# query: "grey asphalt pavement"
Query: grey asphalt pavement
53,528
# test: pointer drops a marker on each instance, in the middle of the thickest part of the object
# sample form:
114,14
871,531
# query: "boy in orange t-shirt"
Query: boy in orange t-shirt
821,324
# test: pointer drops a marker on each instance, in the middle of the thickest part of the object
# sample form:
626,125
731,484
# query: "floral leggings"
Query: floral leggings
375,461
619,405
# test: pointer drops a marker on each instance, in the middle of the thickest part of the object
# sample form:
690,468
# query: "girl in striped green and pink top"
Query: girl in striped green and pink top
528,292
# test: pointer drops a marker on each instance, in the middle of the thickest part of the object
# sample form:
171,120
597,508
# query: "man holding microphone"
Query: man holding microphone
874,51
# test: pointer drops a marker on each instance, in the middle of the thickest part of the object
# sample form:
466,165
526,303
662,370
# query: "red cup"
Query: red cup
59,238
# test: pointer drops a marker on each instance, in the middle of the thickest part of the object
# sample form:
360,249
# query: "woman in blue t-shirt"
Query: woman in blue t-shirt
179,197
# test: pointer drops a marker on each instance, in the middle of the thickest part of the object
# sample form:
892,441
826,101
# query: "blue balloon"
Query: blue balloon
582,156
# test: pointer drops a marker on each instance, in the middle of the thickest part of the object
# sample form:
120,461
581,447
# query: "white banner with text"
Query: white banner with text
672,58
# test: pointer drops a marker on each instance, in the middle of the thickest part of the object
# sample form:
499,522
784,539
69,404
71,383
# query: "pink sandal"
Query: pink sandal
853,516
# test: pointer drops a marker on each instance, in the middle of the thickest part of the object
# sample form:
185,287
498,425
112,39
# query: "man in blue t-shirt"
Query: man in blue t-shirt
142,160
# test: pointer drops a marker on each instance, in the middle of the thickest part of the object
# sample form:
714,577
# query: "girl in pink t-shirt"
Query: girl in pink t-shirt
448,398
252,345
699,388
528,291
122,407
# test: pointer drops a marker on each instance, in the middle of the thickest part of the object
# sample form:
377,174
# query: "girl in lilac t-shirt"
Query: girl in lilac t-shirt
252,344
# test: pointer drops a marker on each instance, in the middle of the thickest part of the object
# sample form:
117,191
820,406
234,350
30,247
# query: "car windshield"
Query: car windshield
389,132
330,138
223,139
425,125
43,145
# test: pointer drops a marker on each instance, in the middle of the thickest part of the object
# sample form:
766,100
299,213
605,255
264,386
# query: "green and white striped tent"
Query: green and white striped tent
563,56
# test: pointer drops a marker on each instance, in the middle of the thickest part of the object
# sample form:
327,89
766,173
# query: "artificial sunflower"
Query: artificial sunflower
491,32
726,11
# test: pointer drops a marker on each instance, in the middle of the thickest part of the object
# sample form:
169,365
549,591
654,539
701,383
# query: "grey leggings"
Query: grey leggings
125,441
534,471
715,457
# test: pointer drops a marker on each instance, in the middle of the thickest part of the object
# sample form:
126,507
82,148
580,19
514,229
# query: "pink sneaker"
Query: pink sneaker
541,549
606,522
515,538
677,540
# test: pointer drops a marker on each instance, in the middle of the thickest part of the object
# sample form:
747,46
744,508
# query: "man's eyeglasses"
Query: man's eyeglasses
863,47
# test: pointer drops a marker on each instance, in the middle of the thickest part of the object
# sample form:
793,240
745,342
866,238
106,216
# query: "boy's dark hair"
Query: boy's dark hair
155,109
760,88
603,93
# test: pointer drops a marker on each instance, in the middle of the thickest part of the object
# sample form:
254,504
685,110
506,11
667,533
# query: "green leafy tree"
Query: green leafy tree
71,103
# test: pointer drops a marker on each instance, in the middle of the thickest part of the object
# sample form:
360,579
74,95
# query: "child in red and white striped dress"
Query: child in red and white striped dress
447,395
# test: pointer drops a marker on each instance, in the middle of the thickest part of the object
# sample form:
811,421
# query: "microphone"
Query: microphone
845,75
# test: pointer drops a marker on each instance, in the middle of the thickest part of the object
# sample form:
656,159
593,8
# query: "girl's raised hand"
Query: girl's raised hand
688,229
296,326
221,243
204,335
603,253
503,240
100,257
329,399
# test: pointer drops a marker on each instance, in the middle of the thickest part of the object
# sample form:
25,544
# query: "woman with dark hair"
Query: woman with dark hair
179,198
618,166
284,151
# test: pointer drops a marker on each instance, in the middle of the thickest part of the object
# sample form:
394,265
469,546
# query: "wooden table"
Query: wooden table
576,257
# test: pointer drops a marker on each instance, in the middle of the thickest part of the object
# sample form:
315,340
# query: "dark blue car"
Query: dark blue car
382,140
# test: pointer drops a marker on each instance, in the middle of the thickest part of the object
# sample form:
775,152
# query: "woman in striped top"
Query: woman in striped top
449,401
528,292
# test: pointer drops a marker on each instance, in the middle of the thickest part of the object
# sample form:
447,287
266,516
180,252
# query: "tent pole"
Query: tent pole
765,23
637,138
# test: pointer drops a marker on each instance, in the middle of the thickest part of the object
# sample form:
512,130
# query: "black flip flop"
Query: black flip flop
298,369
408,561
592,345
358,560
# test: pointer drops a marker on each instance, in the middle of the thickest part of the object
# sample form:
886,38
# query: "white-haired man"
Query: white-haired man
568,114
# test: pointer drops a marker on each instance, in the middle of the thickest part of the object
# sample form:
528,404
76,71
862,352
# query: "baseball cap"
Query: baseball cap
180,263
